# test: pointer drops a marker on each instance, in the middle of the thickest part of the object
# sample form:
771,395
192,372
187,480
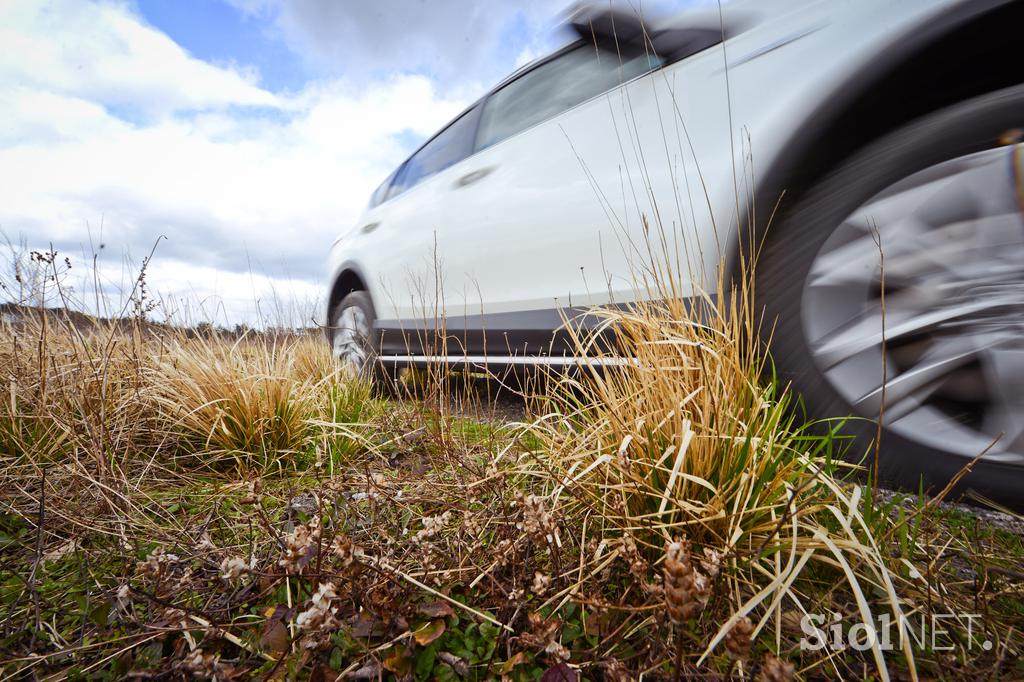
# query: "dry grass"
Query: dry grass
254,400
688,446
174,504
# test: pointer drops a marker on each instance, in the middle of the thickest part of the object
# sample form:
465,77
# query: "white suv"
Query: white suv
838,122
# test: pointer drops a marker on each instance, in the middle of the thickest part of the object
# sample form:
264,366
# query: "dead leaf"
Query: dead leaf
323,673
560,673
275,630
519,658
367,626
311,551
370,671
399,662
100,614
428,632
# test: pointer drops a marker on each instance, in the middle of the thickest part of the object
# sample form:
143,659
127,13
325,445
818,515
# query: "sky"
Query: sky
237,138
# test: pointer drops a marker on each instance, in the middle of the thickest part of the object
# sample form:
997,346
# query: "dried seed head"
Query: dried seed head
655,590
432,525
253,492
158,564
541,584
622,456
319,615
600,605
504,552
791,621
557,651
345,550
431,565
123,598
737,642
204,666
638,566
686,589
537,523
205,544
232,568
182,578
541,631
776,670
616,671
471,526
300,546
712,562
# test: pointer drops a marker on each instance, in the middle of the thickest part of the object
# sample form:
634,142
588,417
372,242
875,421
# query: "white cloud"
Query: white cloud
233,175
34,115
528,54
103,52
455,41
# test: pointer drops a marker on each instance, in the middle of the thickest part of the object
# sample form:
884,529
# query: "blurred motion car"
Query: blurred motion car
827,134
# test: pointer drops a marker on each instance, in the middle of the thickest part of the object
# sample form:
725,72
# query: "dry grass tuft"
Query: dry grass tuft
253,400
686,445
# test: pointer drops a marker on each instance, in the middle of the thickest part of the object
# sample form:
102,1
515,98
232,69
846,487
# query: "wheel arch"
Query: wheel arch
349,278
970,49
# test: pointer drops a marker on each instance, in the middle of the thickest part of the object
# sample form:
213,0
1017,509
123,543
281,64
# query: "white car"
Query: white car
839,123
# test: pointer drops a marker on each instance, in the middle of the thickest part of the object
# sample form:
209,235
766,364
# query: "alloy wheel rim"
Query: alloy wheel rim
351,331
949,243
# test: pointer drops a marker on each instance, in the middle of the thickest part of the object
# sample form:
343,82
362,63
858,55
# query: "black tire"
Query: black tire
372,370
793,243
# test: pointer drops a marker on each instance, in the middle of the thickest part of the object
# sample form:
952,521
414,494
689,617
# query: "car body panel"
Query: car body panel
554,223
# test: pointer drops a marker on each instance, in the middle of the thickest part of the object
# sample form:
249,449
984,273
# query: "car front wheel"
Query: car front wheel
351,337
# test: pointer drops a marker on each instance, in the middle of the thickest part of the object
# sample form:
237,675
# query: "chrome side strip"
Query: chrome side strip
774,45
484,360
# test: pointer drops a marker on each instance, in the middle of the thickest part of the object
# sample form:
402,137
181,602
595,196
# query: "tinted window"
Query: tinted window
447,148
553,87
381,193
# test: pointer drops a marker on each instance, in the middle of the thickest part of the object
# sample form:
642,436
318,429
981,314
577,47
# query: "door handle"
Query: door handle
474,176
369,227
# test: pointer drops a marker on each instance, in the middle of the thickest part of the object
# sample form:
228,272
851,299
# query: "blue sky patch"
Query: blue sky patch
216,32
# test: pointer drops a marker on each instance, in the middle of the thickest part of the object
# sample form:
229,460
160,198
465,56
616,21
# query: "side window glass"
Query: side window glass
381,193
553,87
447,148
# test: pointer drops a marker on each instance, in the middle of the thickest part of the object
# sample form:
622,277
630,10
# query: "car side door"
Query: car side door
530,232
397,243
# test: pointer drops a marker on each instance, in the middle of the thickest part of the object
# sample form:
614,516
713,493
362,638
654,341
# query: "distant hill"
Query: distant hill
17,315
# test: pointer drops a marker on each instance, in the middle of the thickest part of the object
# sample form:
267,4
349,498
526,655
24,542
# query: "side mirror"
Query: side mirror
621,31
610,29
